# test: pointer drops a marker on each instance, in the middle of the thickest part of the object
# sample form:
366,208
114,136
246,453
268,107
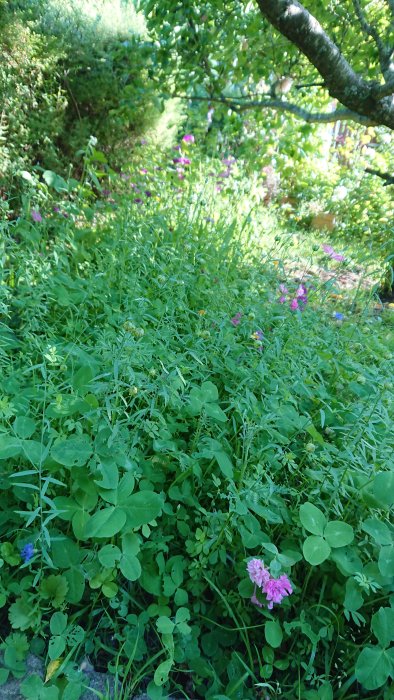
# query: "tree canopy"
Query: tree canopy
321,61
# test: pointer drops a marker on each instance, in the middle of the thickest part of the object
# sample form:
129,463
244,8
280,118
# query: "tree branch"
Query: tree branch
302,29
385,176
244,104
383,90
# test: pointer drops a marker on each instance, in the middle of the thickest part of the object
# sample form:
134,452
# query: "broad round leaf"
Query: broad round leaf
383,487
161,674
130,567
142,507
382,626
338,534
72,452
273,633
312,518
386,560
315,550
24,426
373,667
105,523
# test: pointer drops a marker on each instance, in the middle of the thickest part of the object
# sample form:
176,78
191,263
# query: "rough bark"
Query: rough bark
361,97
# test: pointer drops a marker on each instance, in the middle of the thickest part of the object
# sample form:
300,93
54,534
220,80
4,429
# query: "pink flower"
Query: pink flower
282,300
283,289
301,291
332,254
236,319
188,138
36,216
294,304
276,589
258,574
182,160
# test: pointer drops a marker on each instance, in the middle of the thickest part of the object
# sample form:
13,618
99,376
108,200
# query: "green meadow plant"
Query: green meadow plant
196,466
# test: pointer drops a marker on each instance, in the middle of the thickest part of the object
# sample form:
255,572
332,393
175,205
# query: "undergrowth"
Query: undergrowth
167,415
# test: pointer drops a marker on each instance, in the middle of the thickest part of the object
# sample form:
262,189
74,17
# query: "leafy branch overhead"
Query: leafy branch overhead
249,57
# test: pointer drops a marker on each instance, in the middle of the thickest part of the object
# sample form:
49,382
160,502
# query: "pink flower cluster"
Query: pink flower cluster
275,589
329,250
299,300
236,320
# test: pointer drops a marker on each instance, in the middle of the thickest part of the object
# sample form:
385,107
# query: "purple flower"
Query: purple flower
143,142
176,148
143,171
294,304
182,160
329,250
276,589
27,552
138,200
148,193
105,193
188,138
225,173
236,320
56,209
258,574
256,601
228,161
257,335
36,216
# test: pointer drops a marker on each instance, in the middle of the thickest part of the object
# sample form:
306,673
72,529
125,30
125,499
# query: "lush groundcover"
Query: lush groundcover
196,461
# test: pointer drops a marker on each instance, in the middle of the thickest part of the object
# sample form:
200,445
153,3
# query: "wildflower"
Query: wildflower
258,574
27,552
275,263
257,335
202,312
138,200
182,160
36,216
228,161
276,589
148,193
188,138
329,250
294,305
236,320
56,210
338,316
105,193
143,171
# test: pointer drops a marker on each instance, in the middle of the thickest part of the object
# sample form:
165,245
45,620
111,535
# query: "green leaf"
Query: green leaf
24,426
315,434
72,452
316,550
182,615
225,464
209,392
273,633
382,625
377,530
76,584
56,647
312,518
130,567
165,625
386,560
10,446
383,488
105,523
109,555
214,411
373,667
58,623
54,588
338,533
142,507
109,473
162,672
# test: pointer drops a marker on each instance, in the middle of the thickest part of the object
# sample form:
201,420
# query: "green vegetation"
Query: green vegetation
196,345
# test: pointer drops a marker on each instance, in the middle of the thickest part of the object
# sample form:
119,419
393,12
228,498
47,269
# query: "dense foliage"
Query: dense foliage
168,414
196,348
